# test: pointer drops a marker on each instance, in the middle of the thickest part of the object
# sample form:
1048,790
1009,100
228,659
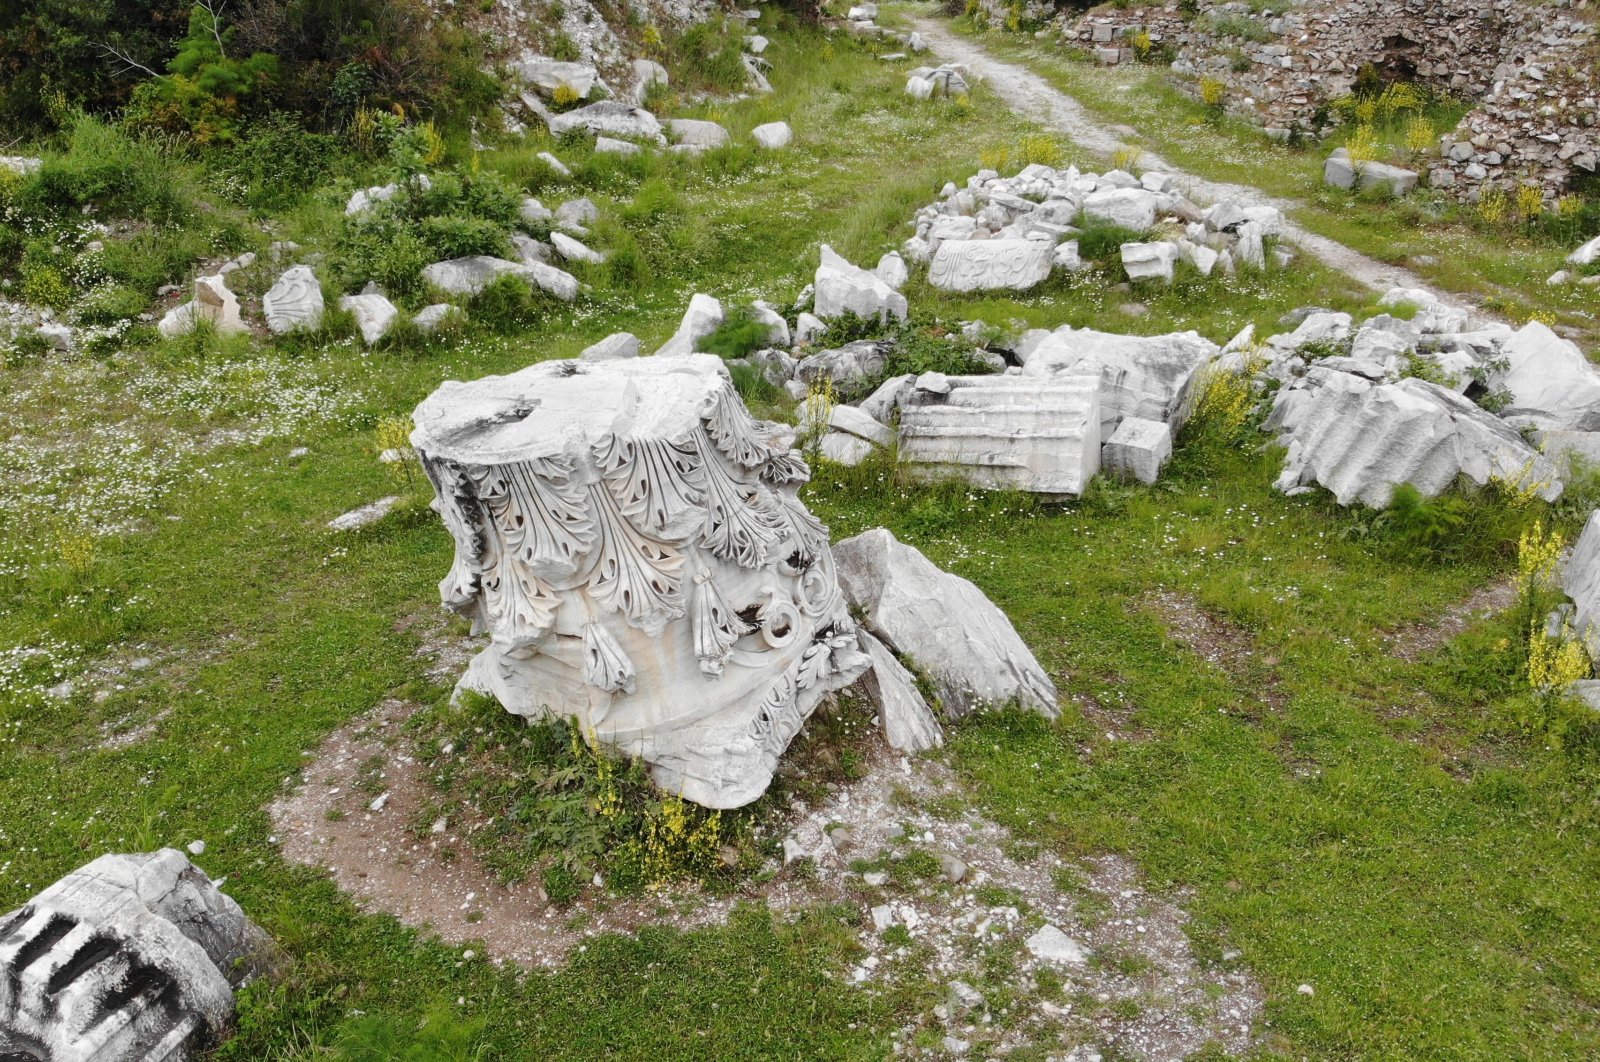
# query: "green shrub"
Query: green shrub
43,285
124,175
509,304
455,236
1101,241
109,303
275,162
740,334
707,57
205,91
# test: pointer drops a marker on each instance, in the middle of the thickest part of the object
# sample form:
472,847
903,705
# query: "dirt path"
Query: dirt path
1034,97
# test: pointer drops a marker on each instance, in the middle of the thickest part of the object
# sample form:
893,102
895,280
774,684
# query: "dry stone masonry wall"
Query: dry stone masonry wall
1529,68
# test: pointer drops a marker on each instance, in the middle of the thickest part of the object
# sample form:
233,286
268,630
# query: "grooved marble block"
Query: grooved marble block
1004,432
129,958
631,541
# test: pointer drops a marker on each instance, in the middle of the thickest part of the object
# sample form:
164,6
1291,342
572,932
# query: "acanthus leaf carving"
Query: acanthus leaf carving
735,431
716,626
631,574
741,524
784,468
462,513
658,484
605,663
810,535
540,514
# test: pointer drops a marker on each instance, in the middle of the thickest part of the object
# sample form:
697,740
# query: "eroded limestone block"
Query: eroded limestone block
1360,442
908,723
130,957
1139,448
773,135
1003,432
631,541
1140,376
213,304
373,312
1581,581
842,287
1551,382
990,265
943,624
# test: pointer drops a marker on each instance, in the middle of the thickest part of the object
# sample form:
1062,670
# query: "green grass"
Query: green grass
1372,827
1504,268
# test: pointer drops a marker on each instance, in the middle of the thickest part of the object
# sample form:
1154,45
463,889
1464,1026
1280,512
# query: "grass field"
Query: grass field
1381,829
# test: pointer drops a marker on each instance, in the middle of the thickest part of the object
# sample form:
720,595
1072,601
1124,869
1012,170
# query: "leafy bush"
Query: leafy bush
122,174
205,91
707,57
740,334
274,162
394,239
1101,241
509,304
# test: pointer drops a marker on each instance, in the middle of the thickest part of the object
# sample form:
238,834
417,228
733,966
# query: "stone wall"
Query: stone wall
1531,67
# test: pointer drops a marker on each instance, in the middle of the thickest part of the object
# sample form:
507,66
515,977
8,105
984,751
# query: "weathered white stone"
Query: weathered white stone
990,265
853,421
1150,261
777,327
773,135
919,88
1203,258
1580,578
884,403
631,541
549,74
470,275
846,365
21,165
1066,257
365,515
213,304
432,318
1139,376
908,723
531,250
554,163
942,624
294,302
1571,450
575,214
892,270
573,250
612,347
533,212
1551,383
1140,448
610,118
842,287
646,73
1251,251
1004,432
808,327
697,133
606,145
363,200
703,317
842,448
129,957
1052,945
1588,254
1131,208
1361,441
1340,172
374,315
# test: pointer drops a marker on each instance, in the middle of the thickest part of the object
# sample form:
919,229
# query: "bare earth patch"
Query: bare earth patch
1224,644
1416,641
873,844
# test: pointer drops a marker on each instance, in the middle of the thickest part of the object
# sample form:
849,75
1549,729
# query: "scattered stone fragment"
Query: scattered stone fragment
773,135
845,288
943,624
374,314
1139,447
612,347
703,317
434,317
1052,945
368,514
128,957
908,723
